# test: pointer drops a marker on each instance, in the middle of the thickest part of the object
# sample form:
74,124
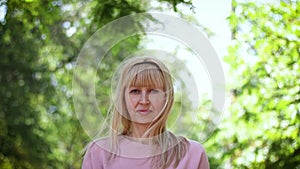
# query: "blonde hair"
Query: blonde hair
147,71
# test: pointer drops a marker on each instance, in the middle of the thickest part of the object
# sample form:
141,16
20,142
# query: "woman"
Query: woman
138,135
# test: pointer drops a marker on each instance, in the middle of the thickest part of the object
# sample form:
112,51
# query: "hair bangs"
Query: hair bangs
146,75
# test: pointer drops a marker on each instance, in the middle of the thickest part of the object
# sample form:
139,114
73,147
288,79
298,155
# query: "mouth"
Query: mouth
144,111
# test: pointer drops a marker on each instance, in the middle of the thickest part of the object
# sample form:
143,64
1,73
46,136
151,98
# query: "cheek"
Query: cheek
159,103
131,102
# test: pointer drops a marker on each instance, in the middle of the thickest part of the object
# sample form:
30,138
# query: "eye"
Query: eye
155,91
134,91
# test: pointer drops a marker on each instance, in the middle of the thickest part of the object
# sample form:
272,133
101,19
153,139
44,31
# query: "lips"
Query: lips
143,111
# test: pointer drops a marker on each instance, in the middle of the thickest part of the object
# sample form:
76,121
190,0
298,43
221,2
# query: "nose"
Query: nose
144,99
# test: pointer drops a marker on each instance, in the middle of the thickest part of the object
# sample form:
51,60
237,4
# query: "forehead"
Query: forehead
146,75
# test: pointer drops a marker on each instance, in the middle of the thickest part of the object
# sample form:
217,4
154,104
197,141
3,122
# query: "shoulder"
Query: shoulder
192,146
195,149
195,156
95,154
195,145
197,153
97,146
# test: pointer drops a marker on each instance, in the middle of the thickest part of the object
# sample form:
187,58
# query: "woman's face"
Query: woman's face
144,104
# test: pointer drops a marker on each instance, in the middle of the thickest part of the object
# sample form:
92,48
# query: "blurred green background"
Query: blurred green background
41,39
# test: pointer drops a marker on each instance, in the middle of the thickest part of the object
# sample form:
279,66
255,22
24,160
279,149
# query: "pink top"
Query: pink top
132,155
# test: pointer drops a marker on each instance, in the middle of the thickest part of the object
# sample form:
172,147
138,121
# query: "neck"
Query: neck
138,130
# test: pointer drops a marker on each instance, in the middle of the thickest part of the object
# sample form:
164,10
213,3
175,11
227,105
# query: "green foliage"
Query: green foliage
24,86
261,128
39,43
